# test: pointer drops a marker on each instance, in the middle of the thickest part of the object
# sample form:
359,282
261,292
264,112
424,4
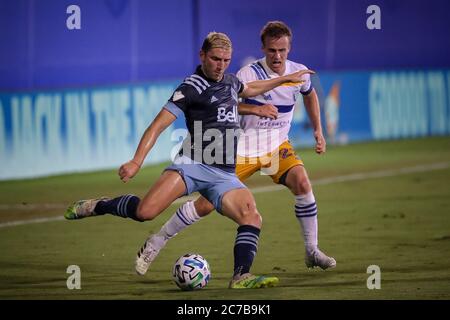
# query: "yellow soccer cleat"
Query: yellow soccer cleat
249,281
82,209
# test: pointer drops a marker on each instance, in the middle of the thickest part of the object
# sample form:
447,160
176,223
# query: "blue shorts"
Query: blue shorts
210,182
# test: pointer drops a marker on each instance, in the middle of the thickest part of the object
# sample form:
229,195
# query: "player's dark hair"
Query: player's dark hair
275,29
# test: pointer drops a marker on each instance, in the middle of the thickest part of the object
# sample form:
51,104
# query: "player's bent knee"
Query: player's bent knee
257,221
146,212
250,217
301,186
304,186
297,180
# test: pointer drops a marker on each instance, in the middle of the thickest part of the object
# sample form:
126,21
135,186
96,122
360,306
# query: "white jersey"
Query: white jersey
263,135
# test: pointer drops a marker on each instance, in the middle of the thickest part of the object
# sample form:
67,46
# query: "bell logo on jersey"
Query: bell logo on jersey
224,116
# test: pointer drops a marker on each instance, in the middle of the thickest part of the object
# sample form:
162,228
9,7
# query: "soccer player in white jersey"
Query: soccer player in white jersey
265,145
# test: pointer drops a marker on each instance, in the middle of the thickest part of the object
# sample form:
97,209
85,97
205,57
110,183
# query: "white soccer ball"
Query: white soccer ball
191,272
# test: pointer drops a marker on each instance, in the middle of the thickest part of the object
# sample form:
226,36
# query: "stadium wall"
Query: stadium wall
52,132
136,41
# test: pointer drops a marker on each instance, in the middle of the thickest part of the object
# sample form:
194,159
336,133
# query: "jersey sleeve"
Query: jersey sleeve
246,74
307,87
180,100
240,86
237,84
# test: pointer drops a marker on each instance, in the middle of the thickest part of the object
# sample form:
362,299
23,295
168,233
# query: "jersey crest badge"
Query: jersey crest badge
177,96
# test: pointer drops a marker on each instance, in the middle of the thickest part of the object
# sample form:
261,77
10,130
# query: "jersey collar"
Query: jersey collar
269,71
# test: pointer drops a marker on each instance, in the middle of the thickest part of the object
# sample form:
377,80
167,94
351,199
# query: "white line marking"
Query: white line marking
31,206
30,221
272,188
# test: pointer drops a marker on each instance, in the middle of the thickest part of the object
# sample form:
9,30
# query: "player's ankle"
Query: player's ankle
158,241
310,249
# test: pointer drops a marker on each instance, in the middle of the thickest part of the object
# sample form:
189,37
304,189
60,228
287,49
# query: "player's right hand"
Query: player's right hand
321,144
128,170
268,111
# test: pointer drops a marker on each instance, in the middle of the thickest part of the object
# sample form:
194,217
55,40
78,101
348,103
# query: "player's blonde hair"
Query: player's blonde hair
216,40
275,29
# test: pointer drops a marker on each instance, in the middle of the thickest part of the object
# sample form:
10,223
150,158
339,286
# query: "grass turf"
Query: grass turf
400,223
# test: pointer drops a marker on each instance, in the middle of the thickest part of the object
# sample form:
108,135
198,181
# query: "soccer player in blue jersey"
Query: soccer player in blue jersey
209,100
258,154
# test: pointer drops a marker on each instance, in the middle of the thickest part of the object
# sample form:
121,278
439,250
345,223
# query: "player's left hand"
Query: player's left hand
321,144
297,77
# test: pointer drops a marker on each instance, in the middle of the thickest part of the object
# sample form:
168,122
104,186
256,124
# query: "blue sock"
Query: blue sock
245,248
123,206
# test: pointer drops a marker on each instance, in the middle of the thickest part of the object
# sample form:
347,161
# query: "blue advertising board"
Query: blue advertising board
52,132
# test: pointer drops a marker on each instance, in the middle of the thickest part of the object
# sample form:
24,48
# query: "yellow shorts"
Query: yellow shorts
273,164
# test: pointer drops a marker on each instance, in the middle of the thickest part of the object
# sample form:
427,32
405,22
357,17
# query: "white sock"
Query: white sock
182,218
306,213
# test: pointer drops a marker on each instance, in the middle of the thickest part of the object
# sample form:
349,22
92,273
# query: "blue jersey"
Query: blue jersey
210,109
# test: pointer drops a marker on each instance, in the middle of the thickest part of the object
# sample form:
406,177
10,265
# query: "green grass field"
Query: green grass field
387,216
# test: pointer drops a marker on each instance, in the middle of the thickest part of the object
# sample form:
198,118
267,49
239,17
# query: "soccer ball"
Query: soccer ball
191,272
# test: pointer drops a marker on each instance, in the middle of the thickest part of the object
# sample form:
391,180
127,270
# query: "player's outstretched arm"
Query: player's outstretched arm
265,111
129,169
255,88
